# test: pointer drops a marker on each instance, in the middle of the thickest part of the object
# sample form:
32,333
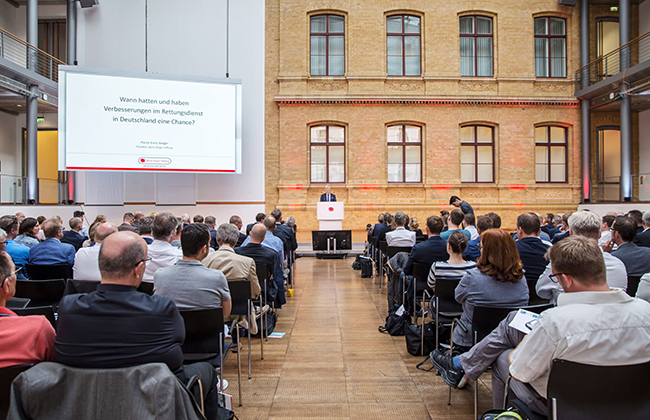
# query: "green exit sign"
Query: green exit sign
40,119
613,9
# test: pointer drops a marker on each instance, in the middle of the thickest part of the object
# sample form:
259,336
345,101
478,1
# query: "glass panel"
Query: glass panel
484,154
337,24
541,173
467,25
318,55
395,172
557,155
484,66
336,164
337,66
336,58
413,164
557,26
394,48
540,155
394,134
412,134
540,134
557,173
467,154
318,66
337,154
337,134
484,134
413,154
337,45
557,134
412,45
541,58
413,173
394,24
558,54
411,25
318,134
467,134
318,154
466,56
318,165
484,56
484,173
467,173
394,45
319,24
412,66
483,25
318,44
540,26
610,142
395,66
395,154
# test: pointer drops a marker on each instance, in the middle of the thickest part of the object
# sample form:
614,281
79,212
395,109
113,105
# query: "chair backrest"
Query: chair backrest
633,284
262,272
578,391
446,296
392,250
17,303
46,311
420,276
374,241
419,239
382,246
486,319
41,292
202,329
240,294
146,287
73,287
533,299
7,375
538,308
49,271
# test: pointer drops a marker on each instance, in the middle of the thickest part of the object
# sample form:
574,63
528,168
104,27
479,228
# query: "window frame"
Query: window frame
548,144
475,36
403,145
327,145
549,37
403,35
327,35
475,144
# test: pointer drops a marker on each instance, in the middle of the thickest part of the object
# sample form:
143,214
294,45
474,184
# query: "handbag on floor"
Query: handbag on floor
396,324
413,334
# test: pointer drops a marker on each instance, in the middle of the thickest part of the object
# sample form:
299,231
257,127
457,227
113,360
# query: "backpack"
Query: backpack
366,267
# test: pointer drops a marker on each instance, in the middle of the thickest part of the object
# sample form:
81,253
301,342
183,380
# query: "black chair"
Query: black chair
46,311
633,285
41,292
17,303
392,250
7,376
146,287
382,246
421,291
533,299
419,239
74,287
48,271
240,296
447,309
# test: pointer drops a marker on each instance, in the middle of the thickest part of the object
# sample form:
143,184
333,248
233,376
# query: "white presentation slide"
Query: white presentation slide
115,122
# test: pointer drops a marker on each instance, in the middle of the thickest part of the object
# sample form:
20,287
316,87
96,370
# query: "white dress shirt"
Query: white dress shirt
400,237
86,264
162,254
473,231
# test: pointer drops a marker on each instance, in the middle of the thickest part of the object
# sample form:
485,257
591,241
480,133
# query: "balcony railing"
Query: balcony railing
28,56
628,55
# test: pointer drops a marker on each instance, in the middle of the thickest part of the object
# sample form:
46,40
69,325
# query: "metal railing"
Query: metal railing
28,56
608,190
13,190
628,55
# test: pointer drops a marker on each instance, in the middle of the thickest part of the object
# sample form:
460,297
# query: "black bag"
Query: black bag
271,319
356,265
413,334
366,267
225,414
396,324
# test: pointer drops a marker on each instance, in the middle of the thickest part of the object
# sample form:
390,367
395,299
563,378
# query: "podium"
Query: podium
330,215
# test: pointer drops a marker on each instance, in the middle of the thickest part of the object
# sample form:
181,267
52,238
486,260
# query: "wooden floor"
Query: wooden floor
334,364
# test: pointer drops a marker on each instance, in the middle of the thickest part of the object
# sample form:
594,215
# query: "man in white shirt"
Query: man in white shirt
161,251
586,224
400,236
592,324
86,261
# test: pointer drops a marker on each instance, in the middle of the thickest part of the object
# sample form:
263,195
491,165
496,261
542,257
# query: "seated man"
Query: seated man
211,223
636,258
473,251
74,236
431,250
161,251
127,223
400,236
145,229
23,339
235,220
86,261
592,324
19,253
456,217
190,284
261,254
116,326
51,250
530,247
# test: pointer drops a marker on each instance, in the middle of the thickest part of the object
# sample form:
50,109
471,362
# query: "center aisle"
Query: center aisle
333,363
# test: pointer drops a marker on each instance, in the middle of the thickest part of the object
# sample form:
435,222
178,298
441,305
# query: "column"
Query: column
32,105
584,104
71,26
626,106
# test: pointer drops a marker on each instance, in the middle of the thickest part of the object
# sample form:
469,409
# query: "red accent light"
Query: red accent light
294,187
294,206
368,187
441,186
519,206
517,186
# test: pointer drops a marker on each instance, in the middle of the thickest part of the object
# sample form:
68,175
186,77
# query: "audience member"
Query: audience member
127,223
291,222
145,229
137,219
185,219
388,220
73,236
564,230
51,250
285,233
236,220
496,220
20,216
379,225
456,217
591,325
641,239
473,251
557,224
454,268
3,241
444,214
189,283
585,224
262,255
211,223
547,223
23,339
259,217
197,219
415,227
176,237
400,236
469,223
116,326
636,258
463,205
19,253
91,235
84,229
637,216
41,235
100,218
530,247
86,261
28,232
161,252
605,229
432,250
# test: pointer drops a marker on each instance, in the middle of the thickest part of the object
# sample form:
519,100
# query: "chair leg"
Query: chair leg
423,315
251,316
476,399
239,360
221,362
262,329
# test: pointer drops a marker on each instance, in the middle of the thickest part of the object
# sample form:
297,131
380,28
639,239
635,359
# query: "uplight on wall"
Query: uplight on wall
613,9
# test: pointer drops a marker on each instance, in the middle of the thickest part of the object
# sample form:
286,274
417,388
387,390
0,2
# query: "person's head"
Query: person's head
388,218
128,218
577,264
637,216
78,213
53,228
163,226
557,220
103,231
608,221
277,213
483,223
457,243
434,225
258,233
496,219
269,223
138,215
499,256
41,219
153,214
179,229
565,220
456,217
328,189
185,218
91,231
400,218
195,241
291,222
227,234
380,218
100,219
585,223
236,220
29,227
211,221
646,219
75,224
259,217
145,226
527,225
197,219
9,224
469,220
548,218
3,239
123,259
414,225
7,278
455,201
20,216
623,230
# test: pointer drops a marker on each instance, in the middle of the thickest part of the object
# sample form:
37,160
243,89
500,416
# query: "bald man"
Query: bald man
86,261
116,326
254,249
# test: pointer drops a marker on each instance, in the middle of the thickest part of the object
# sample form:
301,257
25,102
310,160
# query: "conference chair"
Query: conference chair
447,309
41,292
421,292
48,271
74,287
146,287
392,250
533,299
7,375
382,246
46,311
17,303
633,284
264,277
240,297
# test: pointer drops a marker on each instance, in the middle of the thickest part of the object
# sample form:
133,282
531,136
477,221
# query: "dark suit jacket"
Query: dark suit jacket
552,231
73,238
643,238
427,252
381,236
147,239
241,240
261,254
531,252
377,229
636,258
125,226
249,227
117,326
213,238
559,236
323,197
287,235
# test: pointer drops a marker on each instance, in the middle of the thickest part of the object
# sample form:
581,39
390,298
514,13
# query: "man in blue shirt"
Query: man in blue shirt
52,251
464,206
473,251
19,253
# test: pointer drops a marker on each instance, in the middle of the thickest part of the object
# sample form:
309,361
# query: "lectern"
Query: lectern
330,215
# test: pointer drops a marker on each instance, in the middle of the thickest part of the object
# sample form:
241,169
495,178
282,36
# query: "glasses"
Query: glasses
146,260
15,272
3,242
553,277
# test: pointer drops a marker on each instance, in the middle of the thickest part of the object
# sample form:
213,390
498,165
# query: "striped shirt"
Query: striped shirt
448,271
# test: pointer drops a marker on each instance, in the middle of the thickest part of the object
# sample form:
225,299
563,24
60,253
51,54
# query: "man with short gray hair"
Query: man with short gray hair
400,236
74,236
643,238
161,251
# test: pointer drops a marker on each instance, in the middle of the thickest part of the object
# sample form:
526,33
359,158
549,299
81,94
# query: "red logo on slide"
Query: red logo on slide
141,160
331,209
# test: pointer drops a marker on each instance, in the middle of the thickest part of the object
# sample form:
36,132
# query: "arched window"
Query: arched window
403,45
404,153
476,46
550,154
550,47
327,40
327,153
477,153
